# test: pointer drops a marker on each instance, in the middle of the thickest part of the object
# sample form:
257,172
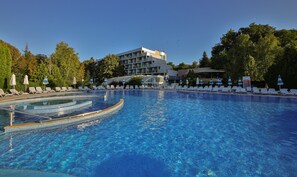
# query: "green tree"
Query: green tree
56,79
249,67
266,51
120,70
5,66
285,66
90,66
135,81
219,56
31,62
106,68
204,61
41,58
15,56
39,73
172,65
194,65
237,55
182,65
191,76
67,61
257,31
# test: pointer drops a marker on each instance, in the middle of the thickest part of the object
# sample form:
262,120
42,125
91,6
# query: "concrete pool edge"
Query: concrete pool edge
67,120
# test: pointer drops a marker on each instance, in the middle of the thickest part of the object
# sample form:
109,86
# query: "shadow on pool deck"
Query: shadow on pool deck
132,166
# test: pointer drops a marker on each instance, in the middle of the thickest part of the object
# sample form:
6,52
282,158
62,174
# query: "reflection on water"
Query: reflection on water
155,117
82,126
10,144
161,95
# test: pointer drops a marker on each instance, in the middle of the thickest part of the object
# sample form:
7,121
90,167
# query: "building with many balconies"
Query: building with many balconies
143,61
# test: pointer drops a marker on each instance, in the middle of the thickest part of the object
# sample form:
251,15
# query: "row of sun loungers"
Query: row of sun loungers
229,89
235,89
117,87
37,90
12,92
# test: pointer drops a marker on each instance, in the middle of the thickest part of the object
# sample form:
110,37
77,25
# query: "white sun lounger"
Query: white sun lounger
226,89
264,91
39,90
256,90
3,94
32,90
58,89
64,89
272,91
215,89
284,91
48,89
293,91
233,89
200,88
70,89
14,92
240,90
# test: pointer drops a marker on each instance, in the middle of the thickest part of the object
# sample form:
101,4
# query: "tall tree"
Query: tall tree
31,62
90,66
182,65
109,67
39,73
81,73
15,56
205,61
194,65
249,67
237,55
266,51
67,60
5,65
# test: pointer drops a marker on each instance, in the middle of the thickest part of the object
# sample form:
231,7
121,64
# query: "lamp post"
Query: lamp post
82,81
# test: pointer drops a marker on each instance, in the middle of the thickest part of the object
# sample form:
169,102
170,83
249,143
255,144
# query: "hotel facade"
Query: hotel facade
143,61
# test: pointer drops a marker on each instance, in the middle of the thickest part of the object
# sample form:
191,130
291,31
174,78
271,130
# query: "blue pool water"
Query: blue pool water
163,134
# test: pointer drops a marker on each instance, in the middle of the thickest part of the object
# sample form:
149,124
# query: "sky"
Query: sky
96,28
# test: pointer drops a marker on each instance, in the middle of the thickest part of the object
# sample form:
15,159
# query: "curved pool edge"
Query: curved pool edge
66,120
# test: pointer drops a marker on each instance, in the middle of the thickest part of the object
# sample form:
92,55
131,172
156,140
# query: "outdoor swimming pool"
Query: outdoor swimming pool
159,133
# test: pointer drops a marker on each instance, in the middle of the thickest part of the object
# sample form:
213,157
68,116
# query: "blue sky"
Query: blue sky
181,28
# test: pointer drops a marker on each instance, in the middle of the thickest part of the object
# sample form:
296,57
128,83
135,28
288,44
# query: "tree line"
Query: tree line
258,51
60,67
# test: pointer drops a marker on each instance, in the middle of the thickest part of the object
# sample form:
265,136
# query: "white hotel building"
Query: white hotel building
144,61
